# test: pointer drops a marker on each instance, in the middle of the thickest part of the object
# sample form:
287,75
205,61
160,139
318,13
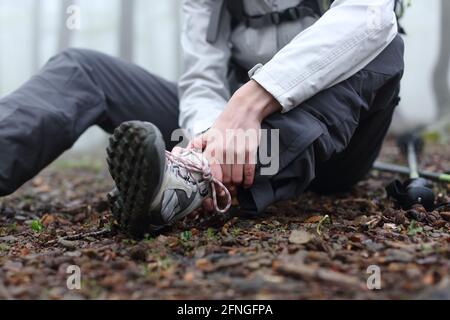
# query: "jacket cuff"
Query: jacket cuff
200,127
264,79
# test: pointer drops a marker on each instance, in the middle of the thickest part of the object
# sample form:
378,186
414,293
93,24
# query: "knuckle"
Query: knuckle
249,170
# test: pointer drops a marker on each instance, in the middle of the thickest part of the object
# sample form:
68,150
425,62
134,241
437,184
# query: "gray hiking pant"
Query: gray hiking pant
328,143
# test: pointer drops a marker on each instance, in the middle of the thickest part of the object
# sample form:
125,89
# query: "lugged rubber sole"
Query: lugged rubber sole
136,161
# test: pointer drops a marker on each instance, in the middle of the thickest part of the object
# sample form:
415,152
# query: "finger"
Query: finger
227,174
250,166
249,175
198,143
216,170
177,151
237,174
233,191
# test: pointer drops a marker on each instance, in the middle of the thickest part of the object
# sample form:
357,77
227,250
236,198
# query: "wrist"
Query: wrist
254,101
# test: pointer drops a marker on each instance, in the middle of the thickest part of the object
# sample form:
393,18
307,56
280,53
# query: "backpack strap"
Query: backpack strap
307,8
313,8
236,9
217,13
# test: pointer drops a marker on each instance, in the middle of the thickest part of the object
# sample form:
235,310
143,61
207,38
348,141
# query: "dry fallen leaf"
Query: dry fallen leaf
313,219
47,220
204,265
189,277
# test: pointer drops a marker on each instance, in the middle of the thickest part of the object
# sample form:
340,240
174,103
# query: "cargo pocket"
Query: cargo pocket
296,133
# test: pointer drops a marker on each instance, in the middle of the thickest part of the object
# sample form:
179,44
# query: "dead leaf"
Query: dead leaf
204,265
47,220
313,219
189,277
445,216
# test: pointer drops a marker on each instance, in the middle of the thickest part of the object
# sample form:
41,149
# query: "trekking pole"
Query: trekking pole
395,168
412,158
416,190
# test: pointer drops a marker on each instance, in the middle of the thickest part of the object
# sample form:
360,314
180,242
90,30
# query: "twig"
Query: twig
238,261
92,234
303,271
80,236
321,222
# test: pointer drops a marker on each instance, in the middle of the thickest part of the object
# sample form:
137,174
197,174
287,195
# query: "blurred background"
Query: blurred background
147,33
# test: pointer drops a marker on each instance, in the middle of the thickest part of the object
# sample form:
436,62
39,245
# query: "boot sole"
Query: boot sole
136,161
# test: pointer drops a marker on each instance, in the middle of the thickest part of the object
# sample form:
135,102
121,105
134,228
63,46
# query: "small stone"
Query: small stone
38,181
73,254
71,245
200,252
395,255
300,237
8,239
20,217
391,227
435,235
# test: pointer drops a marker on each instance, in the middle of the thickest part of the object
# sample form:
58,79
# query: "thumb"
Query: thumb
198,143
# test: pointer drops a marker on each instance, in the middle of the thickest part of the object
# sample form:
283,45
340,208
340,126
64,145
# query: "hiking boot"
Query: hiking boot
155,188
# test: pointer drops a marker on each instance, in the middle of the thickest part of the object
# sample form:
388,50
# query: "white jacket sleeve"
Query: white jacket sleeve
341,43
203,87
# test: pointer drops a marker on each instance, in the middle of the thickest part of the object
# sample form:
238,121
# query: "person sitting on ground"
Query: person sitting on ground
323,83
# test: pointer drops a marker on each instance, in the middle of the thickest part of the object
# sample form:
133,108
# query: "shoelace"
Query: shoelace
204,170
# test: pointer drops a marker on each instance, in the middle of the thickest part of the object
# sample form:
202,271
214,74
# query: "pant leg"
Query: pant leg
75,90
345,169
341,128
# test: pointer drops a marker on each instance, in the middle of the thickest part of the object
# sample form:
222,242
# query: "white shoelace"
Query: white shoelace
204,170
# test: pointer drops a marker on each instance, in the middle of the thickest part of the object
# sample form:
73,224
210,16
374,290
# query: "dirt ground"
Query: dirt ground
315,247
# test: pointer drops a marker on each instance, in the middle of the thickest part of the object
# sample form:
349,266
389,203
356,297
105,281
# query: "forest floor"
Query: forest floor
316,247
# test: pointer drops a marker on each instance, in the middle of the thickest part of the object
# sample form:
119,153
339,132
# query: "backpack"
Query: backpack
307,8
